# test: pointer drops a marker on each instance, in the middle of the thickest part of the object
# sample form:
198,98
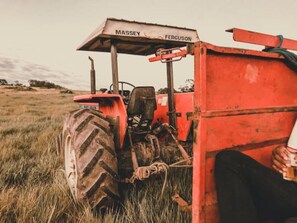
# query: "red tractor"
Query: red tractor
240,98
120,134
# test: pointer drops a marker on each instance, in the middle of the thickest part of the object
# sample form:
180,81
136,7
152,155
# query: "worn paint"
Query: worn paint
251,73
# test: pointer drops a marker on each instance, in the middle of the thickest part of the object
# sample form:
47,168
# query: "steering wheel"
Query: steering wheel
124,93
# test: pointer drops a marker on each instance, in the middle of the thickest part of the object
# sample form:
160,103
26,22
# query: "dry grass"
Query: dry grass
32,183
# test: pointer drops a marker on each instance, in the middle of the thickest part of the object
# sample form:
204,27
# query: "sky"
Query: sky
38,38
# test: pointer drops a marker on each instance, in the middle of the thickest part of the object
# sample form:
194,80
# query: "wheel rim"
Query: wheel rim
71,167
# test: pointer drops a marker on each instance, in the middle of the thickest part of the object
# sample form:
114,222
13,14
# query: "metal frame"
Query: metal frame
114,66
247,36
171,102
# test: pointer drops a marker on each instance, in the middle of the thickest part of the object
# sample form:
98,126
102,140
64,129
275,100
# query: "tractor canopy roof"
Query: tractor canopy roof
137,38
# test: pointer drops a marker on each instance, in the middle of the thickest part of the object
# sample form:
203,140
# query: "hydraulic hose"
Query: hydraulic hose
290,58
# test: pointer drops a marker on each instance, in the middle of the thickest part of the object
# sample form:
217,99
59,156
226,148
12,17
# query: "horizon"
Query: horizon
40,38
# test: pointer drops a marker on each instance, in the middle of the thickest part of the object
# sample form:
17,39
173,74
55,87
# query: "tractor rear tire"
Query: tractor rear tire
91,164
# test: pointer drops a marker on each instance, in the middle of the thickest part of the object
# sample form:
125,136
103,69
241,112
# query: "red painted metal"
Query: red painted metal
113,105
184,106
244,100
199,132
246,36
165,57
110,105
237,51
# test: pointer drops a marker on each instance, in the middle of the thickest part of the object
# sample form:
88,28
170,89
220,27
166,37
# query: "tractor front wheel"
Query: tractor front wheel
90,159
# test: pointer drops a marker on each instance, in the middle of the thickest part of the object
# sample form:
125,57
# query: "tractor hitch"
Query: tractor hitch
171,131
144,172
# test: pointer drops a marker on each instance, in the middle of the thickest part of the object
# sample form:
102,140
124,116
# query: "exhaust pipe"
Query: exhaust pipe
92,77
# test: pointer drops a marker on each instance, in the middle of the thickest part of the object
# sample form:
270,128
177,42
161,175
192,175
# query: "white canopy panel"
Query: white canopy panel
137,38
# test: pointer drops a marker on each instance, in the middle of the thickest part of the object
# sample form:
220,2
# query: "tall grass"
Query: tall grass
32,183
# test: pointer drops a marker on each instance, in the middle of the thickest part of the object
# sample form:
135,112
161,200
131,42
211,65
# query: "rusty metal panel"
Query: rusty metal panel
244,100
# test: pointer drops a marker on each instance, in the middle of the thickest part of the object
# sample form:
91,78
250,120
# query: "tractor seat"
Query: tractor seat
141,108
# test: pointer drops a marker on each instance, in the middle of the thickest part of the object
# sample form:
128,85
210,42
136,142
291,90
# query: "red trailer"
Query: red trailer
243,99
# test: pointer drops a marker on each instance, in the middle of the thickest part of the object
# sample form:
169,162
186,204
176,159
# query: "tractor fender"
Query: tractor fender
112,106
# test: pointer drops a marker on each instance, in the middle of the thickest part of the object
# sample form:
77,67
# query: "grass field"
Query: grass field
32,183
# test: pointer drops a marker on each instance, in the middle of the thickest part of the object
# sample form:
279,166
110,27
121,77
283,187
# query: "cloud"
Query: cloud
6,63
13,70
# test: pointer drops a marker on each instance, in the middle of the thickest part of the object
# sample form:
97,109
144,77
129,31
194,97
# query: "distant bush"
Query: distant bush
66,91
188,87
20,87
43,84
17,86
3,82
164,91
17,83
